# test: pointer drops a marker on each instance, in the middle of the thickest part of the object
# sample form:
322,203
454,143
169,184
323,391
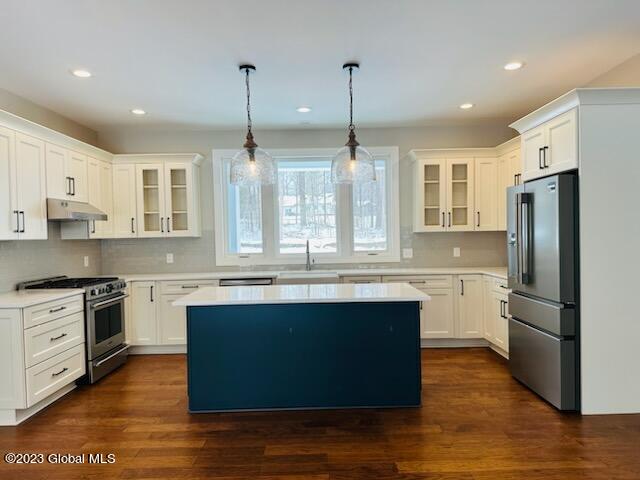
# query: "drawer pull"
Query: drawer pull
189,286
59,309
504,286
417,282
60,372
62,335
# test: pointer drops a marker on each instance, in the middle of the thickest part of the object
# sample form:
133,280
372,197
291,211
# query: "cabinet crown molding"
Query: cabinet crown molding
142,158
575,98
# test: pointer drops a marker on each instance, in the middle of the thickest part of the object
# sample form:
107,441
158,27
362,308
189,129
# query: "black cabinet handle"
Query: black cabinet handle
442,219
540,158
449,218
23,222
73,184
60,372
53,339
161,224
151,292
478,219
544,157
132,229
462,287
168,224
17,214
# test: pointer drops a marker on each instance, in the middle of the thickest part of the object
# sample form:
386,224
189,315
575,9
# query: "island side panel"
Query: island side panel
263,357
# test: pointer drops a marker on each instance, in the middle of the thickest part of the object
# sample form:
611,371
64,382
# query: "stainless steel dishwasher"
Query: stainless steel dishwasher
240,282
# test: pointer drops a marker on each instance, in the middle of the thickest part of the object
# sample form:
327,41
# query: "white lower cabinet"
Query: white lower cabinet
153,320
470,306
437,316
42,353
496,313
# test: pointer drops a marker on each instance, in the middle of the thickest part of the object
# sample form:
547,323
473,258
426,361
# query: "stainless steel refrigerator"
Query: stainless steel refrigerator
542,243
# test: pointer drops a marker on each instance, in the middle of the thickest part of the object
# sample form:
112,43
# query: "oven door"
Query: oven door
105,325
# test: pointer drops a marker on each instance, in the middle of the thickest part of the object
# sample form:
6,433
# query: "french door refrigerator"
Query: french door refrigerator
542,244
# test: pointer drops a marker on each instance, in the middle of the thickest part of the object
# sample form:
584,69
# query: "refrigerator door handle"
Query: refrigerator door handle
525,237
518,240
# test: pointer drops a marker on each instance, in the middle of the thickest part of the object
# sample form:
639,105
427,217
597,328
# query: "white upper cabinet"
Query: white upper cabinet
551,147
95,193
181,197
150,191
124,201
509,174
67,174
31,187
486,194
106,193
444,195
9,216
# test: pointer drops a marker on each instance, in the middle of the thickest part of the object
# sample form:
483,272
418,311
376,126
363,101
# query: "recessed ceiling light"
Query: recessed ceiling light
466,106
81,73
138,111
303,109
513,66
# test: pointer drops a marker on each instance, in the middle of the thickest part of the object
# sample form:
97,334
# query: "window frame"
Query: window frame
344,215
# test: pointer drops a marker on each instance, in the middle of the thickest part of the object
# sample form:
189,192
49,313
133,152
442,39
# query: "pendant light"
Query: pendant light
352,163
251,165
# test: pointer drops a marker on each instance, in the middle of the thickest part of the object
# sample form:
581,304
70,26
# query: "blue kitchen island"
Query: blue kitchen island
303,346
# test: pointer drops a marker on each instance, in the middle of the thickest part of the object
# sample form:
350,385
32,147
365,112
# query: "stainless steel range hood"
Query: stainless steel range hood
70,211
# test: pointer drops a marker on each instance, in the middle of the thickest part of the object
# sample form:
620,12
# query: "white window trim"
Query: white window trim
270,255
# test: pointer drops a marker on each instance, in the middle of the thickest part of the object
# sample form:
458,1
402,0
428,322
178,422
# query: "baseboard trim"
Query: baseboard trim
453,342
157,349
499,351
12,417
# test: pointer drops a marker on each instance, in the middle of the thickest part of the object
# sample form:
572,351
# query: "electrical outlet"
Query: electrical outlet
407,253
86,261
169,257
456,251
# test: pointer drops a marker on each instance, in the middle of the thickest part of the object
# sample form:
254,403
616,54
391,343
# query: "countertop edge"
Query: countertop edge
18,299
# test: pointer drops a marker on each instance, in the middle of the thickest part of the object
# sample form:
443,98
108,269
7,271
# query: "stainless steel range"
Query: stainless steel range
104,320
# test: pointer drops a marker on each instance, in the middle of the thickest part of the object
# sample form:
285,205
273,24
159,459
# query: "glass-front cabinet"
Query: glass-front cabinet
166,200
444,191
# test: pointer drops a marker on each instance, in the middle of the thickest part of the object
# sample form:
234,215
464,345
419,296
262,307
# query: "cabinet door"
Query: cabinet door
172,322
180,214
515,164
431,196
95,195
470,306
562,142
500,306
8,198
77,171
58,183
532,143
106,192
436,316
489,311
144,323
150,200
31,187
460,195
504,182
124,202
486,194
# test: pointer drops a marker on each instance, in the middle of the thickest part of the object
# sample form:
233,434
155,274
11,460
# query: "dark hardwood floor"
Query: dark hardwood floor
476,423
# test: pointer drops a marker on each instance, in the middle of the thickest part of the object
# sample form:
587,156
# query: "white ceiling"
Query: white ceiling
420,59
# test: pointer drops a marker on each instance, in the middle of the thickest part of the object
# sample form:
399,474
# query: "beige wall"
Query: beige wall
430,249
27,109
627,74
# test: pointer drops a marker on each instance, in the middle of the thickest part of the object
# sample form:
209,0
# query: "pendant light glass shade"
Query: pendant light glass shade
352,163
251,165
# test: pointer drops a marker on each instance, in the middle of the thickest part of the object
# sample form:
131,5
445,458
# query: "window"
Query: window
271,225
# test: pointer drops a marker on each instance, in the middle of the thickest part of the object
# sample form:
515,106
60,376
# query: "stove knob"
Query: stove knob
93,292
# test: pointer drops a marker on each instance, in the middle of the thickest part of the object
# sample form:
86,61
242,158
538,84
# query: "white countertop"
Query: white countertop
498,272
322,293
27,298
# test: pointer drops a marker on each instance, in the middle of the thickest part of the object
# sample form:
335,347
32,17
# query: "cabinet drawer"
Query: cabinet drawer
51,375
46,312
500,286
51,338
423,281
185,286
362,279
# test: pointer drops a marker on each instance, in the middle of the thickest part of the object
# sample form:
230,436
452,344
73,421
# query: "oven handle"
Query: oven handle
125,347
107,302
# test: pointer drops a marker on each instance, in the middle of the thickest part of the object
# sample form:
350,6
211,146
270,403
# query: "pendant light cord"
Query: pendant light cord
248,100
351,125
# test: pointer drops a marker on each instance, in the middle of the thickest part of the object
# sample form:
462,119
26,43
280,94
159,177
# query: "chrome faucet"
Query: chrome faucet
308,266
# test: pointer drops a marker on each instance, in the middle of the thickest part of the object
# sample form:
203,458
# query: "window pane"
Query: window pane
307,206
244,227
370,213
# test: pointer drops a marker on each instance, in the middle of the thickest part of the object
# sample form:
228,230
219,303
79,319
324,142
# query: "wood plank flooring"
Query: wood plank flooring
476,423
